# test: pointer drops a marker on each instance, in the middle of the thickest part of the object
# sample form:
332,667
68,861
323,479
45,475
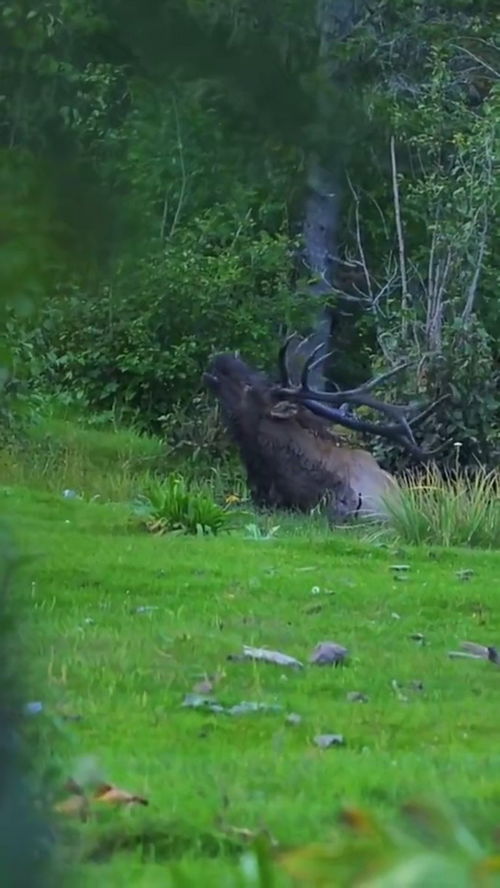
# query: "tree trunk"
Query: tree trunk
335,20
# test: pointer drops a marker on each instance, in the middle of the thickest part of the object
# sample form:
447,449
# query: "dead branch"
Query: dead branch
401,244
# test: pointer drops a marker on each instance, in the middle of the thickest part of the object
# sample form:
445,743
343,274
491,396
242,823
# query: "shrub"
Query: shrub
140,347
174,507
458,510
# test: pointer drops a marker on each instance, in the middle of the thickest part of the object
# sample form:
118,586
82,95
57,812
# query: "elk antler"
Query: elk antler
332,405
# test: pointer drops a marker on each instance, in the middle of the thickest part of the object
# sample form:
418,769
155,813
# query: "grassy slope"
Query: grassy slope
126,673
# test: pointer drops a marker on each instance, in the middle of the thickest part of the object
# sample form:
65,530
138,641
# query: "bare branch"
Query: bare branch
359,240
477,59
471,293
180,149
401,244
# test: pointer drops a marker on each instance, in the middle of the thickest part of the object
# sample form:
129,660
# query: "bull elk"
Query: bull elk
293,459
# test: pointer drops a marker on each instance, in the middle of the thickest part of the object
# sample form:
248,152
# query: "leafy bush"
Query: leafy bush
463,510
140,347
173,506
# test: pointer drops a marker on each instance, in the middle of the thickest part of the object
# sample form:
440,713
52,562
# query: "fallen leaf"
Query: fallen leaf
248,706
325,741
417,636
358,820
248,835
328,653
357,697
74,806
400,568
471,651
114,796
197,701
266,656
201,701
465,574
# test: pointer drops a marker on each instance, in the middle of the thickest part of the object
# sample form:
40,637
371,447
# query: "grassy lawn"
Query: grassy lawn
94,653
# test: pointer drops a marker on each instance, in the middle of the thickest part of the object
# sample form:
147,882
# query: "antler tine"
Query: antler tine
322,358
428,410
310,364
392,432
329,404
358,396
373,383
283,363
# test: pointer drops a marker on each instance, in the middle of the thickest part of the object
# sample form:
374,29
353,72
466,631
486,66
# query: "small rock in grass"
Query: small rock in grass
400,568
418,637
357,697
465,574
293,719
328,653
247,706
33,708
325,741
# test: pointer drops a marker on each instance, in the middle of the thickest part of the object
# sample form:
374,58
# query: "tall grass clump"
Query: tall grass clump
458,510
174,506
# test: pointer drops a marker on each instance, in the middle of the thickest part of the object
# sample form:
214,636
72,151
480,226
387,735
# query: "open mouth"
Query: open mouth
211,380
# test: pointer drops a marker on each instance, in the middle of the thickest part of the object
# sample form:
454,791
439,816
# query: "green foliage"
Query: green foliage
153,169
172,506
141,346
462,510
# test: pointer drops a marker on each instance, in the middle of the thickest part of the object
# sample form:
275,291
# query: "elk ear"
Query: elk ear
283,410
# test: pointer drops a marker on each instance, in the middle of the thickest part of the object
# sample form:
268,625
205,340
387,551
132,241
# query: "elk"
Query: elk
292,457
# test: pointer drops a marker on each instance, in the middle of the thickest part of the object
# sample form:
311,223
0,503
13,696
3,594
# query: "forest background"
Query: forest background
183,177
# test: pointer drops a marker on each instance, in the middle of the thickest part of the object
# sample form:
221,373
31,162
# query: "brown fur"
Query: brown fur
292,457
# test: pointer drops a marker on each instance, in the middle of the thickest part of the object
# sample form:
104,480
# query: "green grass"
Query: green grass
126,673
463,511
108,462
58,453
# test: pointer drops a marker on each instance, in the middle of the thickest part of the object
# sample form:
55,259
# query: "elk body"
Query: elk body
293,459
